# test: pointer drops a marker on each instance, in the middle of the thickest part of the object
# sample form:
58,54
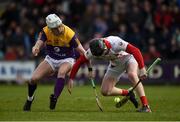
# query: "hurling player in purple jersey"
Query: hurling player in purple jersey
61,44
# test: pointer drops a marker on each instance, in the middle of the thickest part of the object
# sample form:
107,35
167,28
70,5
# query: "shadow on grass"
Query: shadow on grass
81,111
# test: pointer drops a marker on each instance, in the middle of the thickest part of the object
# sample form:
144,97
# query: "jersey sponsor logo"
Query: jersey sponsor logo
61,55
57,49
120,43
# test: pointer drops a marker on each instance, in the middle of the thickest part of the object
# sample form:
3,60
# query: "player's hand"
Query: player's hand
35,50
91,75
70,85
143,73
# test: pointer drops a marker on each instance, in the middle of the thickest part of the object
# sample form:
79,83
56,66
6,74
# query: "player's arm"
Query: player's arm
119,44
82,52
77,45
39,43
139,58
80,61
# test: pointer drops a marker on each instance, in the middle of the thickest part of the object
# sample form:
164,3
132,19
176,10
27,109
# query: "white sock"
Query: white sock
30,98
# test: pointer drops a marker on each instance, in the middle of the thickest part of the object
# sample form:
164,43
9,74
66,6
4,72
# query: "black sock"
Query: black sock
31,89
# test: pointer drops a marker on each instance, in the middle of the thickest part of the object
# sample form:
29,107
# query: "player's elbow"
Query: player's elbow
137,50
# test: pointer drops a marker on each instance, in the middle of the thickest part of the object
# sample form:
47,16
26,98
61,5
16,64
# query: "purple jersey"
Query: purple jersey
62,46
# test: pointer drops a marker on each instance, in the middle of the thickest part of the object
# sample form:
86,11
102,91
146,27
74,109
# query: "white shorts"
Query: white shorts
120,68
56,63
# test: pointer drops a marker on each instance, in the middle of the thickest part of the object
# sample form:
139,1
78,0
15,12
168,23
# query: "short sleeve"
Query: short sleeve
42,36
117,43
74,42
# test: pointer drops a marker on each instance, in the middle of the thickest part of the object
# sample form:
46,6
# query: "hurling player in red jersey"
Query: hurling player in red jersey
122,57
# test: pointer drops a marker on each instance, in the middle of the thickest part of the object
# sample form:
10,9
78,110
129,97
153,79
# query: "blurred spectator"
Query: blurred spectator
10,54
29,41
10,14
163,17
77,8
2,46
164,41
176,17
151,54
177,36
120,7
122,31
147,14
100,25
173,50
135,15
113,24
135,36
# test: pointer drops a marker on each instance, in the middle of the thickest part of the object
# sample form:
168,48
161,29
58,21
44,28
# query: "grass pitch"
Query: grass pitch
81,105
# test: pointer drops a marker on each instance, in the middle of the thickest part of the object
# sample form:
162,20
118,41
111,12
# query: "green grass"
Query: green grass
81,105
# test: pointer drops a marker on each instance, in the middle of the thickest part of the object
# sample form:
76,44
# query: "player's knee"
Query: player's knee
104,93
61,74
34,79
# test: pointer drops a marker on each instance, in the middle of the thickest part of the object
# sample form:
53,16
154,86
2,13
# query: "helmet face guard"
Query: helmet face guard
97,47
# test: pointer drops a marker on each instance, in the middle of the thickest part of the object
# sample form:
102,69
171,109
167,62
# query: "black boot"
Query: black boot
53,101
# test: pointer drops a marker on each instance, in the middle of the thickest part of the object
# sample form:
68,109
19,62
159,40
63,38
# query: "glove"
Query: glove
142,73
90,74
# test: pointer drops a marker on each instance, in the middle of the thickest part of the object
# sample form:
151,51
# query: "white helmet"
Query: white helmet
53,21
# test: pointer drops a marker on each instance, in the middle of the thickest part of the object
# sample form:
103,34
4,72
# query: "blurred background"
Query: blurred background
151,25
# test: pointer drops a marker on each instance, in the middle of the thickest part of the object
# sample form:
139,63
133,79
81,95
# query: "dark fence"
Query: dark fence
165,72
